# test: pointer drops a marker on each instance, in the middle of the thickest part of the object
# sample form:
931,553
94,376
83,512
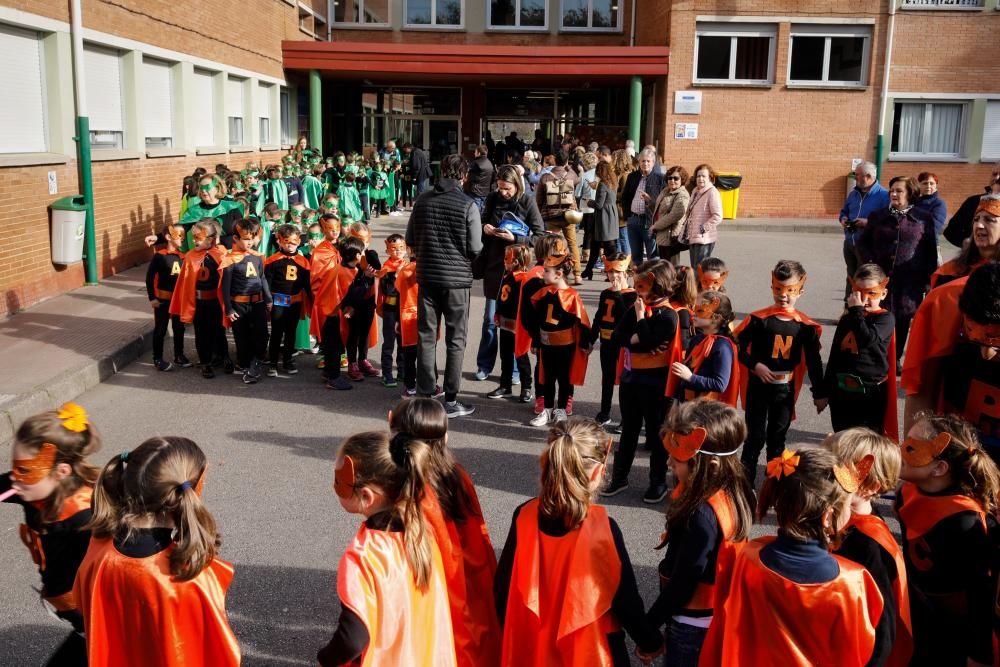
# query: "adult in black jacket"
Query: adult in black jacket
509,197
420,166
638,205
445,234
480,181
960,226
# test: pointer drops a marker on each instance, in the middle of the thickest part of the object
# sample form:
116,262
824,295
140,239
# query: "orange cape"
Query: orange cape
831,623
405,626
136,613
694,362
569,301
875,528
919,512
470,565
705,596
185,295
559,607
303,263
800,369
522,339
406,285
950,271
933,334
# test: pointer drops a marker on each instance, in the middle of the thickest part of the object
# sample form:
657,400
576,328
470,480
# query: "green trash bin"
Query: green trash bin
69,215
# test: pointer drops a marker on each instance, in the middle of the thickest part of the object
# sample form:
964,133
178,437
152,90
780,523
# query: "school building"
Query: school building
787,92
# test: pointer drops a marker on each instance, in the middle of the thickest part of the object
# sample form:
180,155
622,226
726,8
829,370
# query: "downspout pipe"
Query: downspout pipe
884,101
82,139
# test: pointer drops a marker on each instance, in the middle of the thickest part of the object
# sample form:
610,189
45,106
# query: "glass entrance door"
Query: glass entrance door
442,138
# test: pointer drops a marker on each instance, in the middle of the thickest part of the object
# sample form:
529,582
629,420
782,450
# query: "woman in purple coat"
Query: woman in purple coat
901,239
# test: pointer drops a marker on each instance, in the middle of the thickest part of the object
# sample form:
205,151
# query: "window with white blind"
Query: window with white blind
234,110
205,103
991,131
263,106
22,115
103,74
928,130
158,103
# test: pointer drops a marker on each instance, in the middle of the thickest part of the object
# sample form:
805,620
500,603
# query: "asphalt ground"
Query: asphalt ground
271,448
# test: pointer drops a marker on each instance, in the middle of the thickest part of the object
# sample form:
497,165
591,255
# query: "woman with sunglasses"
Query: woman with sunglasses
668,216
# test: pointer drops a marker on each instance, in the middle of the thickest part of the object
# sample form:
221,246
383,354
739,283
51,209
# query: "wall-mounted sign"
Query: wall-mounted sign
685,130
687,102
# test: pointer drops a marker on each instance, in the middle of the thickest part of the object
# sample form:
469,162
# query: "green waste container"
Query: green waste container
69,215
728,184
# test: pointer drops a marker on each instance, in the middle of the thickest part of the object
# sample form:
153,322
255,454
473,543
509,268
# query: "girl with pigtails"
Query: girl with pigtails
151,588
390,580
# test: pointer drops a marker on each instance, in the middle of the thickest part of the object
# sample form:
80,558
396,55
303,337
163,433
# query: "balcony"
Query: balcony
943,4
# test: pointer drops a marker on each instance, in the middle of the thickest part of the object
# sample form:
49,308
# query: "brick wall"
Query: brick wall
132,198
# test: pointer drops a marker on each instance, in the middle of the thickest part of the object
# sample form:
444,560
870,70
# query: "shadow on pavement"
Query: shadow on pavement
31,644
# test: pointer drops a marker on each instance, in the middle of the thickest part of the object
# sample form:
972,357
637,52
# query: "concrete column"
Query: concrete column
315,110
635,111
133,102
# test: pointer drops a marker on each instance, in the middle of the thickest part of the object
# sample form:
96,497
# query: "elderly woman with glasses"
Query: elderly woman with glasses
960,226
668,216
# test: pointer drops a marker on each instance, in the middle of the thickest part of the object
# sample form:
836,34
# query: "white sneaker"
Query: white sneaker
558,416
542,418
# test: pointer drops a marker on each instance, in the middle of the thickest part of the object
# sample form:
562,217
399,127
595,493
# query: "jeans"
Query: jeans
683,644
391,341
480,203
435,303
486,358
623,245
700,251
640,241
423,186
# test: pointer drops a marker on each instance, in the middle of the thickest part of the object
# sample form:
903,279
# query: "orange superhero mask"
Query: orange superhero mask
987,335
329,225
398,244
709,283
176,233
199,235
555,261
851,478
344,478
294,237
508,255
621,265
359,232
878,292
704,310
34,470
683,446
779,289
918,453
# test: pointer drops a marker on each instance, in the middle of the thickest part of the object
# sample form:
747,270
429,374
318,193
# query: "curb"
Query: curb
806,227
69,384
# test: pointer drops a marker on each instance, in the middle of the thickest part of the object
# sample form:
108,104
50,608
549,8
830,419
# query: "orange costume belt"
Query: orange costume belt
207,294
248,298
391,300
646,360
507,323
782,378
606,334
162,294
557,338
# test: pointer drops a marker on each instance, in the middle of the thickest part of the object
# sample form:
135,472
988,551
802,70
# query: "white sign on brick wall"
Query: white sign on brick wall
685,130
687,102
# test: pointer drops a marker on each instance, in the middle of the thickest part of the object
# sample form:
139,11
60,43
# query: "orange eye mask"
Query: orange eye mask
399,245
176,234
621,265
508,255
779,289
918,453
344,478
245,235
987,335
853,478
876,293
328,226
682,446
704,310
295,239
707,282
199,235
34,470
363,234
555,261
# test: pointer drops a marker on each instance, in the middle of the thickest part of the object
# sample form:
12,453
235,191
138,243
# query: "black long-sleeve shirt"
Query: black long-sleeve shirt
654,331
860,346
245,278
611,308
162,272
285,276
529,319
692,553
627,605
779,344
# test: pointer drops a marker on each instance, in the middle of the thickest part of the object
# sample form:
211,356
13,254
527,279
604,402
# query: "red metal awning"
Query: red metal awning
474,62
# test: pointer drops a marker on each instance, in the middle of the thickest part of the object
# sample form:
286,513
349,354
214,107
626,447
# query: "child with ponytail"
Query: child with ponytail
711,368
563,552
155,547
455,517
946,510
390,580
787,600
53,483
682,299
712,509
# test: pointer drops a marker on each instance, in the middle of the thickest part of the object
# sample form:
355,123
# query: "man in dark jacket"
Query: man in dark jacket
420,166
480,181
445,234
642,187
960,226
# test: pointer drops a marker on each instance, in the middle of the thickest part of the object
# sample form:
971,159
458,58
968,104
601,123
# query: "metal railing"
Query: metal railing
943,4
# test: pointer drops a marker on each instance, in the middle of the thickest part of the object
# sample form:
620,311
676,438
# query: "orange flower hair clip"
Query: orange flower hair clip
783,465
74,417
918,453
852,478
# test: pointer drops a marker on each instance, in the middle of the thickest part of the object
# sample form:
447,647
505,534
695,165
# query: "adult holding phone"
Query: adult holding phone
867,197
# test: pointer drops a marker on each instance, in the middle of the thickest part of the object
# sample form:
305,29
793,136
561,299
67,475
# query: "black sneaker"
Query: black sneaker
500,392
602,419
655,494
228,367
162,365
182,362
250,378
526,396
458,409
614,487
613,428
207,372
289,367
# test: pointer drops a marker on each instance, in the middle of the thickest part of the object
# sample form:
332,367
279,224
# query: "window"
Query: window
103,69
832,55
158,100
361,12
285,104
22,115
263,106
991,131
928,130
512,14
592,15
234,110
734,54
443,13
204,102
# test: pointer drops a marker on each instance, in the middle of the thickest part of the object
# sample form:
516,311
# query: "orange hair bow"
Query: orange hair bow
851,478
918,453
74,417
783,465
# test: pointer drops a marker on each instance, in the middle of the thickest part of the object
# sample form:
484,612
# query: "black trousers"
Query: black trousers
250,333
507,361
357,335
641,403
406,193
409,368
209,334
595,252
161,317
671,253
284,322
768,415
331,346
848,410
609,368
556,361
392,341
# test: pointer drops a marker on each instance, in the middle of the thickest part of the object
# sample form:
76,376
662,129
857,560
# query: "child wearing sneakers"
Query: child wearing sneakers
517,258
287,274
161,277
387,307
